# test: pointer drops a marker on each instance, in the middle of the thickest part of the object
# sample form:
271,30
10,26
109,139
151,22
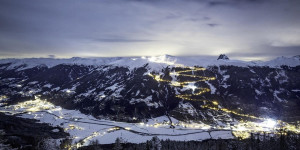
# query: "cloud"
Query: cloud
51,56
123,40
217,3
64,28
212,24
233,2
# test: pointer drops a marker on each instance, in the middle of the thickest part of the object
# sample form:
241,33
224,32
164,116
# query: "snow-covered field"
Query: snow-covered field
86,128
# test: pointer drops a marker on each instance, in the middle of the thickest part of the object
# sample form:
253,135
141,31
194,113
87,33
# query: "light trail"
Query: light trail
231,111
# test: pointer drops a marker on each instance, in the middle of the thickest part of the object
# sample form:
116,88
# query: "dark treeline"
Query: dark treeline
283,141
27,134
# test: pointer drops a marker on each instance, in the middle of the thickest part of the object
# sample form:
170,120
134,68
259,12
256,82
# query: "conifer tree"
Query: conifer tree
155,143
118,145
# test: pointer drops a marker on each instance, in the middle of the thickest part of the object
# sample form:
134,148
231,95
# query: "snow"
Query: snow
258,92
282,77
212,88
221,135
55,130
48,85
268,82
137,93
116,89
225,86
189,107
68,91
225,77
56,89
251,70
100,96
113,87
275,94
89,92
146,100
292,62
33,82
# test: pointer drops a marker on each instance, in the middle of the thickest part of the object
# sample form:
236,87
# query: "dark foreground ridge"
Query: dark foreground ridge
27,134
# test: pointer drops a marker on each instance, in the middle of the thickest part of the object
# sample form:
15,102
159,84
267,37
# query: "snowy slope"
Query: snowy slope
292,61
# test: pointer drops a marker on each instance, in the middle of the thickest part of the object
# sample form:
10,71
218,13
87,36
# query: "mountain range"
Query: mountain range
131,89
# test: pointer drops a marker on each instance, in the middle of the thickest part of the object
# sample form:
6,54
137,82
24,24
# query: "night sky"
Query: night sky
243,29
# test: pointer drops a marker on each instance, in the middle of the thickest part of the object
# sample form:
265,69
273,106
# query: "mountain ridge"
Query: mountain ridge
159,62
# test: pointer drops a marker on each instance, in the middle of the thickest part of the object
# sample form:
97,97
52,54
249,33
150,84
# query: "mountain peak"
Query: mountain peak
223,57
166,56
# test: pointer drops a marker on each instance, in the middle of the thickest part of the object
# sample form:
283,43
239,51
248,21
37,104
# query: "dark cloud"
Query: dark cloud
123,40
206,18
217,3
212,24
232,2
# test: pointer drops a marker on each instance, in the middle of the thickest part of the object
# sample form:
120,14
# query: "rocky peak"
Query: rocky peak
223,57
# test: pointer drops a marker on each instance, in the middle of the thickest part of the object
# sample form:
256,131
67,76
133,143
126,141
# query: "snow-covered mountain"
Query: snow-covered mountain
203,89
154,61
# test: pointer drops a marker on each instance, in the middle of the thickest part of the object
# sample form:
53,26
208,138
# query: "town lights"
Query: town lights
127,128
2,97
